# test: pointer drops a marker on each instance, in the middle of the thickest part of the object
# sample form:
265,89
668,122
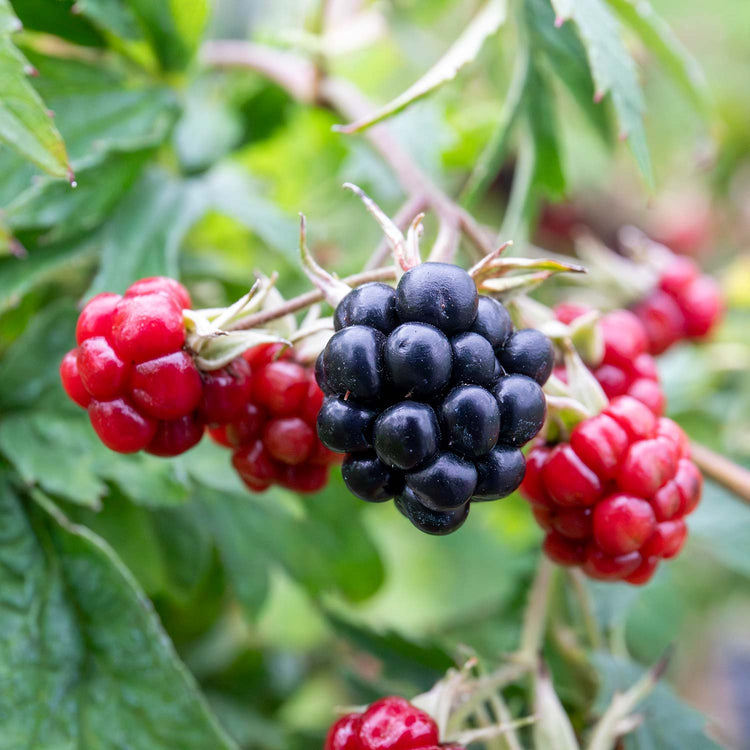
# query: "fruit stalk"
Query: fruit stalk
310,298
721,470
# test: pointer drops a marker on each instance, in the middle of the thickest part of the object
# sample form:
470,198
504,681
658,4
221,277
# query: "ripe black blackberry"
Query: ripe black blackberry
431,393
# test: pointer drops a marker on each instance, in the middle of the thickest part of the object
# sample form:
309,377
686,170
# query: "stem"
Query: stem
535,616
402,219
587,611
722,470
310,298
300,77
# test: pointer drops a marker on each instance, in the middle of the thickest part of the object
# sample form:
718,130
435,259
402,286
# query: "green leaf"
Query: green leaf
83,658
540,108
111,15
493,155
56,17
25,370
62,454
613,70
100,111
463,51
567,59
419,662
668,49
327,550
144,235
173,28
25,124
668,723
65,211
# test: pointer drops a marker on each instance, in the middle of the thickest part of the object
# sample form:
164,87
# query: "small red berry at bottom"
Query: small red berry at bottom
647,466
120,427
667,540
644,572
176,436
394,724
344,734
71,379
247,427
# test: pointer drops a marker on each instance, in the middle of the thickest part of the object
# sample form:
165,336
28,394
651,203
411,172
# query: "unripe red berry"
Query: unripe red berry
672,431
567,479
175,436
313,402
573,523
304,478
280,387
255,466
650,393
263,354
663,320
644,572
147,327
667,540
667,502
624,338
102,372
289,440
604,567
344,734
247,426
394,724
544,516
120,427
533,481
702,305
564,551
689,483
96,317
567,312
647,466
677,275
225,392
635,418
613,380
161,285
601,443
168,387
622,524
71,379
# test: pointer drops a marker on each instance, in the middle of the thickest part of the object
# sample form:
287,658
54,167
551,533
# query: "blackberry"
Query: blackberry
432,394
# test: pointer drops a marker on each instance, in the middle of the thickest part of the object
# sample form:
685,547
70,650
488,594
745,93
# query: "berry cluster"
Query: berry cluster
132,373
388,724
626,367
431,393
686,305
613,499
272,430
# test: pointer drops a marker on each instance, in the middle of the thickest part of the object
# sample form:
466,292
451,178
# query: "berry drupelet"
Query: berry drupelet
390,723
431,394
613,499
